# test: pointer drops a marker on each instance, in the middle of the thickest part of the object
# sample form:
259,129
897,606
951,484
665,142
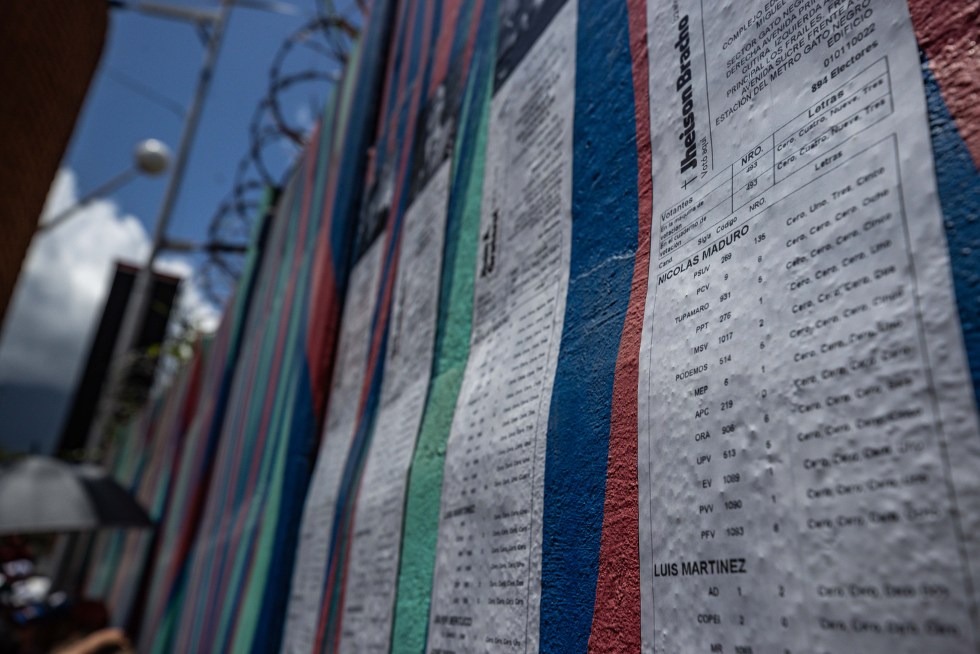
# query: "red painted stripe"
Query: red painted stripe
218,592
185,536
372,358
330,298
212,524
948,33
227,478
616,617
386,96
365,392
440,68
322,322
231,438
322,330
189,400
188,520
324,315
272,383
471,38
325,605
232,432
384,304
385,308
192,526
444,43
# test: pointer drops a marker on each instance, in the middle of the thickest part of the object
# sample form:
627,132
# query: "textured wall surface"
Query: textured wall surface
949,40
604,240
452,347
193,472
227,589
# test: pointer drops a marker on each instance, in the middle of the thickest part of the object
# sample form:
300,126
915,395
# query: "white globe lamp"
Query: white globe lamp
152,157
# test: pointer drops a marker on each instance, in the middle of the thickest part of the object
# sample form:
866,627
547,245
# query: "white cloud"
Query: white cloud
63,285
304,117
193,308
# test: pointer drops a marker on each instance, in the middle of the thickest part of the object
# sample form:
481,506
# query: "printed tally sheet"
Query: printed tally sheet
808,435
487,582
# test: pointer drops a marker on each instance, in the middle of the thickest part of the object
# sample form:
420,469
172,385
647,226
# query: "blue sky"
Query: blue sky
67,272
166,55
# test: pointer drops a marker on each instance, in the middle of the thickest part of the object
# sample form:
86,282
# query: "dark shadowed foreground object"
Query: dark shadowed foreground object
49,50
41,494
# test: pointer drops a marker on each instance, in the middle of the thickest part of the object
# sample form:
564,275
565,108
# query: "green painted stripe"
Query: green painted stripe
452,350
253,597
276,439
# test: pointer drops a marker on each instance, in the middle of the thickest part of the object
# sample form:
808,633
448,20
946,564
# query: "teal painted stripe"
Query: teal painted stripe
205,431
200,600
291,433
275,381
451,352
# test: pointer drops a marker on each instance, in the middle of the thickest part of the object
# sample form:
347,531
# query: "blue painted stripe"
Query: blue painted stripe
268,632
363,110
353,469
604,238
959,194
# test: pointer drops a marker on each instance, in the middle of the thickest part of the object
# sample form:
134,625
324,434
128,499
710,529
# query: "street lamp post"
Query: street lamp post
139,298
151,157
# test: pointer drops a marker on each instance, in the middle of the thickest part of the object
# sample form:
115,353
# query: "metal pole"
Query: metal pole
139,297
101,191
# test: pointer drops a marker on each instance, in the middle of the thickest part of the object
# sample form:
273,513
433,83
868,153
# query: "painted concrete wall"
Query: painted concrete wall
240,564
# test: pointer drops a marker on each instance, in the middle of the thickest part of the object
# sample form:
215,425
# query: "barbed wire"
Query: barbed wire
311,59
